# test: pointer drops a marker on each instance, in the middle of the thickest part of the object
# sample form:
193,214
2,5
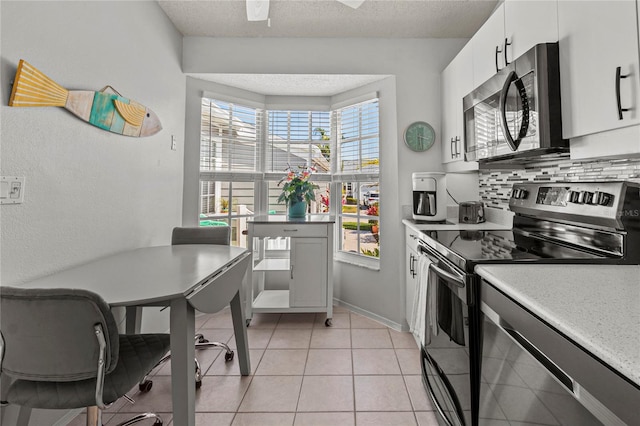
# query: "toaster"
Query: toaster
471,212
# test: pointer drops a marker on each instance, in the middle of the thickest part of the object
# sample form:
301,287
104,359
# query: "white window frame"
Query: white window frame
260,176
339,178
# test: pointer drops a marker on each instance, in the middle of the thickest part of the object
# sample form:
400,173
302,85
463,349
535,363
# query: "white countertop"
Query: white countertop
597,306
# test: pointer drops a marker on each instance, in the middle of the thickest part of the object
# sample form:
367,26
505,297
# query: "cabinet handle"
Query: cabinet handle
453,151
290,230
291,268
618,77
412,265
415,272
498,51
457,146
506,43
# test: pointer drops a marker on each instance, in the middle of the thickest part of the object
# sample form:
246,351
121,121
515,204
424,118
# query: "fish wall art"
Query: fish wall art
108,111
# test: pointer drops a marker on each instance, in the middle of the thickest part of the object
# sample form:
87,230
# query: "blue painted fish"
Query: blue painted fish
108,111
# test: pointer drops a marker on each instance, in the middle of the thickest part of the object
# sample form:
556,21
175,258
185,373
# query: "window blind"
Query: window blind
229,137
358,142
298,138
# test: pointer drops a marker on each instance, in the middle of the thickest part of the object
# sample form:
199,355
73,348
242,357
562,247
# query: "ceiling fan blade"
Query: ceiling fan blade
257,10
354,4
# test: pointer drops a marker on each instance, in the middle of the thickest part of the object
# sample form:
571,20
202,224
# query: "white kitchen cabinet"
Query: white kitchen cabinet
488,42
410,269
596,39
514,28
456,82
292,266
308,273
527,23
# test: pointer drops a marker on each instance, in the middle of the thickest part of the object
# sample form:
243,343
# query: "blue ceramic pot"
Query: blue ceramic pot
297,209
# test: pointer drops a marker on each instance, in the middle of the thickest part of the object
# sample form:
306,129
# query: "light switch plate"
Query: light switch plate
11,190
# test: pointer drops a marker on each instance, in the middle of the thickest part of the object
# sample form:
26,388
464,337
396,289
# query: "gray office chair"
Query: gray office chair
219,235
63,351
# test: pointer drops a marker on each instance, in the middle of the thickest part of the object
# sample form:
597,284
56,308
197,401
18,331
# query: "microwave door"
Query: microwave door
516,107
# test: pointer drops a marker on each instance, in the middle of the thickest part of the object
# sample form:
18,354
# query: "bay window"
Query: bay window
245,150
358,171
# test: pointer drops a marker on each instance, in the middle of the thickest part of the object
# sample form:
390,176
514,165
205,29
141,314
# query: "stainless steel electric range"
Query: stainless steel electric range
564,223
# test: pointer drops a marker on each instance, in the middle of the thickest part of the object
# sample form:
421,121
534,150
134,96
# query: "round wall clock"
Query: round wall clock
419,136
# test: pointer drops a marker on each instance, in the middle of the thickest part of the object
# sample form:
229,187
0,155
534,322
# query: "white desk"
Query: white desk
185,277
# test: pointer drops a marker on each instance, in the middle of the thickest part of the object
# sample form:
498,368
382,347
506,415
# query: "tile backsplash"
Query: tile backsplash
495,184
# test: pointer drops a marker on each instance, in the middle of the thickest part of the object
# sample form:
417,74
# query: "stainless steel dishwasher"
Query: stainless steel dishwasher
531,374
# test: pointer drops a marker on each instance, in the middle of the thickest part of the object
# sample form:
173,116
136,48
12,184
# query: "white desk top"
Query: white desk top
170,271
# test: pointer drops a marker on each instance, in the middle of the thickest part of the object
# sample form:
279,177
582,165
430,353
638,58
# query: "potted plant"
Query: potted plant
298,191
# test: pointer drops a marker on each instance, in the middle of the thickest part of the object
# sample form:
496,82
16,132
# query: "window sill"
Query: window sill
358,260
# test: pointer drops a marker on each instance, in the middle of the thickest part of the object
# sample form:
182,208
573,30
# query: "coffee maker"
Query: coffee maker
429,197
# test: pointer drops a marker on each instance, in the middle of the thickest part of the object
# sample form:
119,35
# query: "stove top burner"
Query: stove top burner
575,222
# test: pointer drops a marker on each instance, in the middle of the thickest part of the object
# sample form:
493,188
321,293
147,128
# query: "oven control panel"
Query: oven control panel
601,203
565,195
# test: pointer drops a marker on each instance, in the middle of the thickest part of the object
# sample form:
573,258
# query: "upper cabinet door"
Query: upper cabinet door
597,37
487,43
528,23
456,82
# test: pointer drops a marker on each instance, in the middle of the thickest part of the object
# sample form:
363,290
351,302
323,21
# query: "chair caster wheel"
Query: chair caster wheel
157,423
228,356
328,322
202,340
198,384
145,386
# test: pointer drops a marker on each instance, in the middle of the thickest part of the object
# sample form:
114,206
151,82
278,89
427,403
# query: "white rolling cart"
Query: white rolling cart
292,266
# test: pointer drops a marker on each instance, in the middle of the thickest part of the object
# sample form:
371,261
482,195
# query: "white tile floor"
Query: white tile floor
356,372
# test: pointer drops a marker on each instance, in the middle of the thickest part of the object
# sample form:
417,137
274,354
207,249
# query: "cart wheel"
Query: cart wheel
198,384
201,339
248,321
145,386
157,423
228,356
328,323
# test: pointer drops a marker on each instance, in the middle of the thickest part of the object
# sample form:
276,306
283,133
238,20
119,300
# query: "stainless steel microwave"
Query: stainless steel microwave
516,113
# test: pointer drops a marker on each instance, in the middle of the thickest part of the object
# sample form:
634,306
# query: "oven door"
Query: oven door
446,349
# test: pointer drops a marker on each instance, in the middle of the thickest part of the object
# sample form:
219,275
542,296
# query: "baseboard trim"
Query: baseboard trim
391,324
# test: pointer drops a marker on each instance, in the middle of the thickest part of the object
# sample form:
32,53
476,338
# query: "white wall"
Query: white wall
416,66
89,193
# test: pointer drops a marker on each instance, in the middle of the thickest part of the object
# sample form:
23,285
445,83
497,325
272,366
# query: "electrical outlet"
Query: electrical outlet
174,146
11,190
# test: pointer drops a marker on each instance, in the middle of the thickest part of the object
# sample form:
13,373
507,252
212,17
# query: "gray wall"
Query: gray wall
89,193
415,89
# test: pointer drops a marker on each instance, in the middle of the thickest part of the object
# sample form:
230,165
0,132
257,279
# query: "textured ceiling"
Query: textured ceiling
330,18
323,18
292,84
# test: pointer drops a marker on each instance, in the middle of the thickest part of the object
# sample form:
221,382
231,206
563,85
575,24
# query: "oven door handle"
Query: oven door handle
457,280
